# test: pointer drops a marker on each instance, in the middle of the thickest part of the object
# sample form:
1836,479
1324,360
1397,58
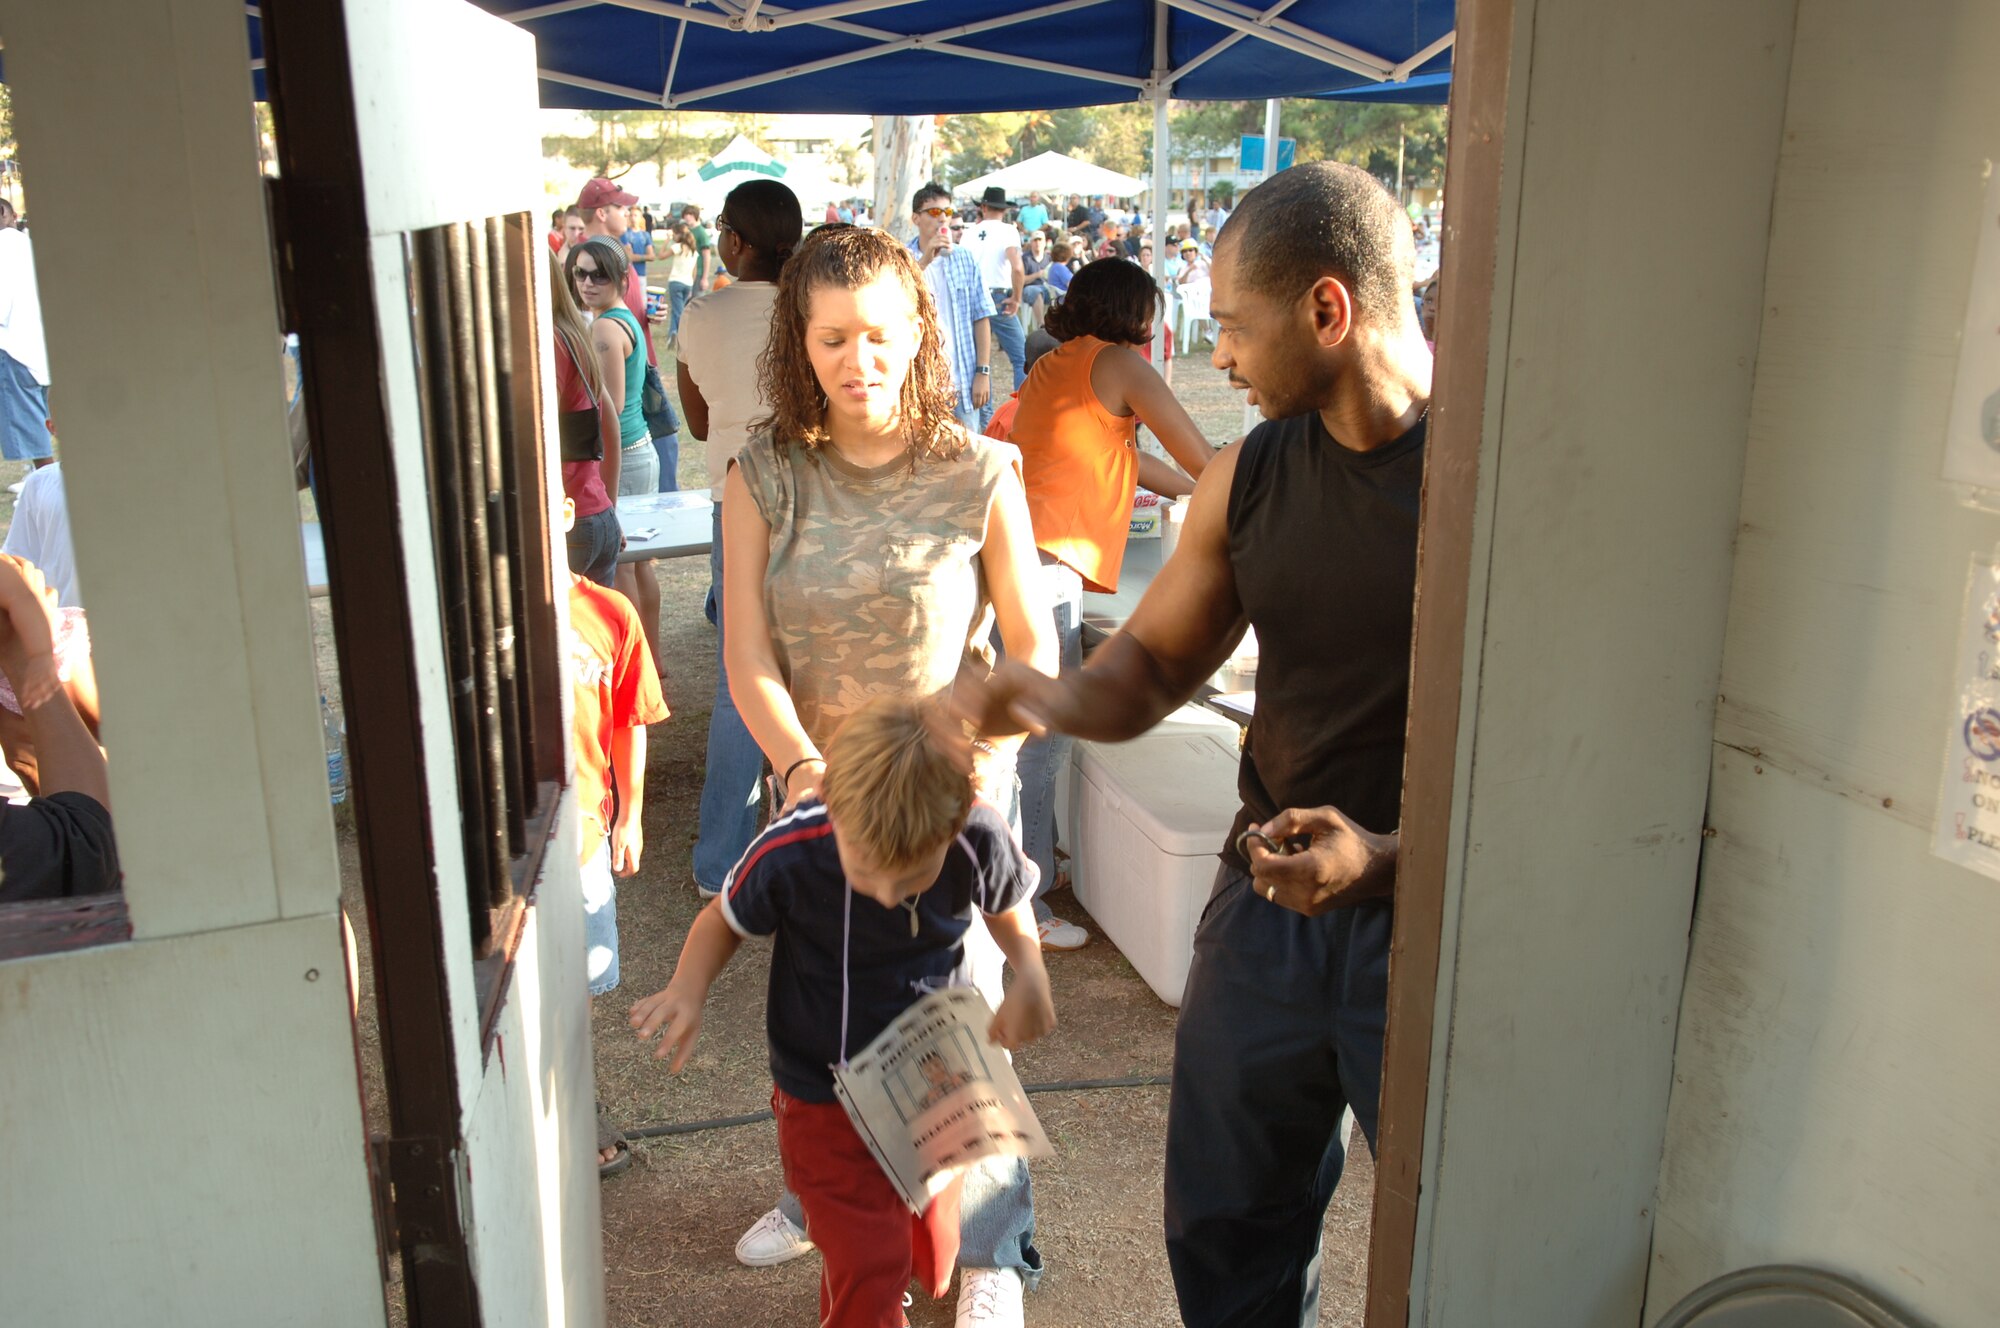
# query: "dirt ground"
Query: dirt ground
671,1221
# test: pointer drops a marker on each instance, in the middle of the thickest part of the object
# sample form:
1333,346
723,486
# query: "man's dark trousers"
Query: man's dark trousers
1280,1030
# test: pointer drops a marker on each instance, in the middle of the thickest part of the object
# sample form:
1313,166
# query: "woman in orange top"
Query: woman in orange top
1077,423
1077,427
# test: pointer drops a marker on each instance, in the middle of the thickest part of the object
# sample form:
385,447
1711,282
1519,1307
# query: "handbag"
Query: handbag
577,435
658,407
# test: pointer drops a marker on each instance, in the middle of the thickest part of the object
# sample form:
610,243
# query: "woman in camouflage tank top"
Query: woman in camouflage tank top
872,540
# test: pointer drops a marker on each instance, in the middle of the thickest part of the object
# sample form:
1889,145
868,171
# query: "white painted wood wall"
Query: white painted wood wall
182,1127
1836,1090
1641,147
180,1123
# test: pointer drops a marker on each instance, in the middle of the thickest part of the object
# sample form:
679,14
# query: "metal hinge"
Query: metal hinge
414,1194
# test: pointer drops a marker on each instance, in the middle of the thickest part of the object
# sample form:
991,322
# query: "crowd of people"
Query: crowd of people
899,556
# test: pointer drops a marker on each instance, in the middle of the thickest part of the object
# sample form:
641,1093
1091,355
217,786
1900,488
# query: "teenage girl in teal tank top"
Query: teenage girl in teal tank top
597,270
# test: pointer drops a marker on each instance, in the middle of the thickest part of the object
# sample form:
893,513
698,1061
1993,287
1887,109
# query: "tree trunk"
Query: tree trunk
902,164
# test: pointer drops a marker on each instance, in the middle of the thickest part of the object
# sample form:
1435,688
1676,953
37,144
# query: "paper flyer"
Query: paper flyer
1968,821
931,1096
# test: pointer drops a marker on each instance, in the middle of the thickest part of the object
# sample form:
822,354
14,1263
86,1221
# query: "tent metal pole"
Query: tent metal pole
665,9
1158,205
640,95
1207,55
1292,37
1250,415
551,10
674,65
1402,72
890,43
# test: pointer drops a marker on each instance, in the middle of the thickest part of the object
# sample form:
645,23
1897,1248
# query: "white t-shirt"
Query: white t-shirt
722,334
40,533
989,242
21,305
940,287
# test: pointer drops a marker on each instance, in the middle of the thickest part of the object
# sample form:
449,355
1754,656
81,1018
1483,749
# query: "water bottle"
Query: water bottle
336,755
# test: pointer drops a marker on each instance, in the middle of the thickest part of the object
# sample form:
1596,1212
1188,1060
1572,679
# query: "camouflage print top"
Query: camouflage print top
875,584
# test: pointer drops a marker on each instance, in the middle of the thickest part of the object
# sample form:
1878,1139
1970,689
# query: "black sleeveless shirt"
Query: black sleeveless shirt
1323,541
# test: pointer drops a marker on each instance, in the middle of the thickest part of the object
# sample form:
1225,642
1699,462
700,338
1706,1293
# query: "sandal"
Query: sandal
610,1136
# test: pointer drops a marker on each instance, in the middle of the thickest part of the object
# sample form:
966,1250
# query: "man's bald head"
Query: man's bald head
1324,220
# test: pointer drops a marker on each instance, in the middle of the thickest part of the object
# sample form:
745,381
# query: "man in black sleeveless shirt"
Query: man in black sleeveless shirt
1307,531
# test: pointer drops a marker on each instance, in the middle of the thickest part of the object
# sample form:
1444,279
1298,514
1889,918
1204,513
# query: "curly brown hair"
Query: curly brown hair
849,257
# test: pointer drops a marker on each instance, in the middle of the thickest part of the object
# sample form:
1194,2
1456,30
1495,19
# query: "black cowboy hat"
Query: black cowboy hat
996,197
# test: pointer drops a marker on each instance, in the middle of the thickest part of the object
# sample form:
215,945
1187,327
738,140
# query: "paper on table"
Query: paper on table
665,502
930,1096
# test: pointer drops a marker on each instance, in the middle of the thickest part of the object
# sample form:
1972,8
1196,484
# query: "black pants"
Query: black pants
1280,1031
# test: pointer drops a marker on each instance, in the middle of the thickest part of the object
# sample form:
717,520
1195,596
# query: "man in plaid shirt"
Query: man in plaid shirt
965,309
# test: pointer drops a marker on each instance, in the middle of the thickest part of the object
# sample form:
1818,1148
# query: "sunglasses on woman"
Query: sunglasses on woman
590,274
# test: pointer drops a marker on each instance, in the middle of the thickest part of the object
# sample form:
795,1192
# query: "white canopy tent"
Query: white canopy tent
1053,173
743,160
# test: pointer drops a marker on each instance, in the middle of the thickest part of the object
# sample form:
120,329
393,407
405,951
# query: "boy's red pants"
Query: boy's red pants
869,1243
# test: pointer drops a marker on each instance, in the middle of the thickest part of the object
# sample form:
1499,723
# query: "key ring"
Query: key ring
1270,845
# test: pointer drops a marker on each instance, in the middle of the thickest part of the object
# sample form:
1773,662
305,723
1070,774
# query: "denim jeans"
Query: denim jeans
637,467
1042,759
593,546
732,791
668,450
1015,343
678,294
600,920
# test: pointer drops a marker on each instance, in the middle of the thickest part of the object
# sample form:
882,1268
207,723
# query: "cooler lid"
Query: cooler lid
1178,788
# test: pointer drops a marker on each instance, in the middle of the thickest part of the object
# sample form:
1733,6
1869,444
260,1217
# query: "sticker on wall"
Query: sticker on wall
1968,823
1972,439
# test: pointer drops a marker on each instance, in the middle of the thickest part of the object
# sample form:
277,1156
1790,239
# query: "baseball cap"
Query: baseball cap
600,192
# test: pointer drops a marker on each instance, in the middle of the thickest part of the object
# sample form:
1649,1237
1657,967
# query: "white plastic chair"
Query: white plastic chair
1190,312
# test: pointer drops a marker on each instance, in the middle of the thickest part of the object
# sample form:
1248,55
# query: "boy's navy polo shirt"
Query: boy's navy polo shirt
789,885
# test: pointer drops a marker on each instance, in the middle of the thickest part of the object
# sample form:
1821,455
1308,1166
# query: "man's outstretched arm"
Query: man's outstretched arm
1182,631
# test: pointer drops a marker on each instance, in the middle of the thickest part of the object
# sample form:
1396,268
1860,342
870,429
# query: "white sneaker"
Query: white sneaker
771,1240
1059,935
988,1296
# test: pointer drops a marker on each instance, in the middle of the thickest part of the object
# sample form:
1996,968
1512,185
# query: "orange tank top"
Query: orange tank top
1081,464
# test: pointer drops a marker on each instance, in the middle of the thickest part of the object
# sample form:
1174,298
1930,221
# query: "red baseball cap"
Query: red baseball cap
601,191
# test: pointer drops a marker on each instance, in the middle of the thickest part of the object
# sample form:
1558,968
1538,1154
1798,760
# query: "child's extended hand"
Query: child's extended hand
628,842
27,633
676,1016
1028,1012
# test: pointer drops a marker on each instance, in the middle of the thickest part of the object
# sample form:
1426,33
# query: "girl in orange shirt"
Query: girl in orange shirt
1077,427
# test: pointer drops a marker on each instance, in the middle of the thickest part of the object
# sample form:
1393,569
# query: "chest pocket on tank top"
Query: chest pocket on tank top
930,588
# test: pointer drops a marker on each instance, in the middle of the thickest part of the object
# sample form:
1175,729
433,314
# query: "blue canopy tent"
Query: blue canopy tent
916,57
1420,90
911,57
924,57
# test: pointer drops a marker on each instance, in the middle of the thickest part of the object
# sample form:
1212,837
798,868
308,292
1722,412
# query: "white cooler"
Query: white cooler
1150,816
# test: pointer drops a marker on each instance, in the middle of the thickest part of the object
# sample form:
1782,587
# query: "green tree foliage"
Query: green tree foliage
619,141
1118,138
1361,134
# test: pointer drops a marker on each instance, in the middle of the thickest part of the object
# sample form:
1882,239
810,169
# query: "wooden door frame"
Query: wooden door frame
322,240
1475,157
